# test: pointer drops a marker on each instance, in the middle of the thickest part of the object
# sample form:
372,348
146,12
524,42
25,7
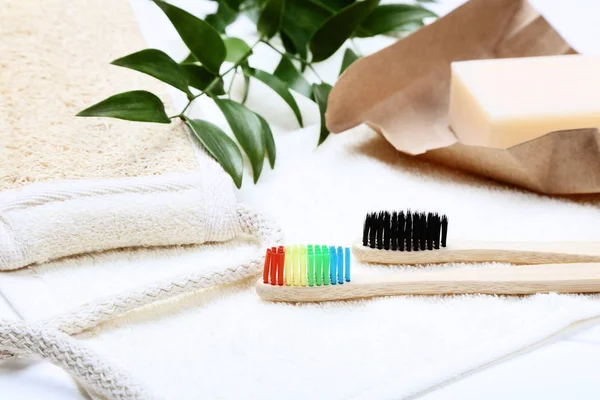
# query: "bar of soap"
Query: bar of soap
504,102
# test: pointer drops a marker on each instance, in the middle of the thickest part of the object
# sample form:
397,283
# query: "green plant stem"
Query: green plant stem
323,6
231,83
216,80
283,53
314,72
293,57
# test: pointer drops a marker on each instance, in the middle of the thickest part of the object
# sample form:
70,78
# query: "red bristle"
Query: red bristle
280,263
268,259
274,262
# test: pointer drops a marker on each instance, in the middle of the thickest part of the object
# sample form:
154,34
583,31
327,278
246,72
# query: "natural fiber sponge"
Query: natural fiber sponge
504,102
46,221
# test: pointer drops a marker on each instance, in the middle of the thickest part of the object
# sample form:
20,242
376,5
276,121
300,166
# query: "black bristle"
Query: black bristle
379,232
408,231
430,223
387,230
416,234
444,230
365,238
405,231
372,229
423,230
401,236
436,232
394,238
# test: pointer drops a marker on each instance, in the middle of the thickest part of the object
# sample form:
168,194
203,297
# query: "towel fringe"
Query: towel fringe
51,341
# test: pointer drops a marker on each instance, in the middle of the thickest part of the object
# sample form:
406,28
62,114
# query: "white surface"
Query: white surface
541,373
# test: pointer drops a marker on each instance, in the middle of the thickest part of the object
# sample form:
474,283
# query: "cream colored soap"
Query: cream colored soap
504,102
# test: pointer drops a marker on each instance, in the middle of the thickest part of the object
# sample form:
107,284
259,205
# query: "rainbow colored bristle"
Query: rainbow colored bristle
312,265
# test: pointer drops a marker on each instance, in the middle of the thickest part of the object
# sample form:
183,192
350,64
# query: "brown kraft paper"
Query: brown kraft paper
402,92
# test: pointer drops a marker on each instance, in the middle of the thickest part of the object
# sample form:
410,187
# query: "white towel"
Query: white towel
46,221
228,344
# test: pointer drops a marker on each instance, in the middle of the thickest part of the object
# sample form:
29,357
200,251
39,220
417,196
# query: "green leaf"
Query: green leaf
138,105
279,87
224,17
253,8
333,5
349,58
246,83
332,34
237,49
270,18
301,18
247,128
321,96
393,17
233,4
269,141
156,64
199,78
410,26
295,40
287,72
288,43
220,146
190,59
203,40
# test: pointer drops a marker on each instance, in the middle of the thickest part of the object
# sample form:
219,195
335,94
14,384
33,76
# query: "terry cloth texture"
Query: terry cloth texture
54,62
45,221
389,348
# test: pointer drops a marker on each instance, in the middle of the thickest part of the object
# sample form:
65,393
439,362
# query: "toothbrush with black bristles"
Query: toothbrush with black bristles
322,273
405,237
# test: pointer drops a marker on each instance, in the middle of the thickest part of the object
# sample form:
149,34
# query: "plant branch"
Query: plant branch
231,82
323,6
314,72
288,55
293,57
216,80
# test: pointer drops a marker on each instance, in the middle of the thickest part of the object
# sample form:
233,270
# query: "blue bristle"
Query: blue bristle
347,260
332,265
340,265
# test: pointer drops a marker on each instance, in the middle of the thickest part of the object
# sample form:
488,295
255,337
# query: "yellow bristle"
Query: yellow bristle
303,272
287,268
295,266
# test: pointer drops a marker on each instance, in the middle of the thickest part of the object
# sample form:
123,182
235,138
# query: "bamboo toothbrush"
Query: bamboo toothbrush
321,273
419,238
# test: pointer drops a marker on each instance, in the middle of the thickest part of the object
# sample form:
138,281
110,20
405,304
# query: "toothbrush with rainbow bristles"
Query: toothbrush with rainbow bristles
294,274
307,266
322,273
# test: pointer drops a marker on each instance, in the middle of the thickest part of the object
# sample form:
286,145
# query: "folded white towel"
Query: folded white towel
43,222
46,221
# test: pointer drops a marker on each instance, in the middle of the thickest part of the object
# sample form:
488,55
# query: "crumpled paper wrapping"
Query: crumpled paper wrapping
402,92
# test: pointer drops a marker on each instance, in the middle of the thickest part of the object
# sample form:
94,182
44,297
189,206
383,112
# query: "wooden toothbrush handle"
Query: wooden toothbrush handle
560,278
474,251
